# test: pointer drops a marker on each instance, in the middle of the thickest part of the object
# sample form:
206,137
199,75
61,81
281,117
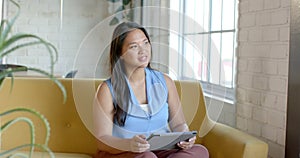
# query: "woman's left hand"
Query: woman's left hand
187,144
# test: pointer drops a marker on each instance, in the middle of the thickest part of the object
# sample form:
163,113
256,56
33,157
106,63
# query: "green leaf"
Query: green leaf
8,44
18,37
121,8
113,1
26,120
29,122
51,48
2,26
9,24
5,53
28,110
6,72
126,2
20,147
114,21
130,14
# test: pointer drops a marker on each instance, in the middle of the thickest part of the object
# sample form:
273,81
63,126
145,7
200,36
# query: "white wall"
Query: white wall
43,18
262,71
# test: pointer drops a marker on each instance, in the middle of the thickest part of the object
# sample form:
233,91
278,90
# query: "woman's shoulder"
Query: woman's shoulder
104,98
168,79
105,84
103,89
162,75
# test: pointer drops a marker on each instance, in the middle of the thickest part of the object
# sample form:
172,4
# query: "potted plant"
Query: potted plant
8,44
123,12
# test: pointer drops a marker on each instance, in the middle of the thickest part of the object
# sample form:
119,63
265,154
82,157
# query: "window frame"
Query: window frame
216,91
2,15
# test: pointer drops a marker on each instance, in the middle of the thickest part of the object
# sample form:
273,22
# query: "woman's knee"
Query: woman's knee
146,154
200,150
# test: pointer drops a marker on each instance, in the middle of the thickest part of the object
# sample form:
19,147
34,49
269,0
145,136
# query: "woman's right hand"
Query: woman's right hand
139,144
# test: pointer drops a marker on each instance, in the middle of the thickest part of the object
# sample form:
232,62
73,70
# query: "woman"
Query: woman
137,101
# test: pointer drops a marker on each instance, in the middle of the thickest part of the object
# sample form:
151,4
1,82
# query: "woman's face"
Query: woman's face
136,50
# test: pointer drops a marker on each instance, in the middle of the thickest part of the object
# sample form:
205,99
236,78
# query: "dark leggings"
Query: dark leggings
197,151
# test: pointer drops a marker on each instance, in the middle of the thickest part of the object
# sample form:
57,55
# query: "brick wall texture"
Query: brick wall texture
63,24
262,71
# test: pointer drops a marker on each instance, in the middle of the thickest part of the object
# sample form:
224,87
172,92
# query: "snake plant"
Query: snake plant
9,43
14,151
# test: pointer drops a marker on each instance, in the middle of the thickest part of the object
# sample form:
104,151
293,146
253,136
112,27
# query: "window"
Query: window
1,9
204,37
1,17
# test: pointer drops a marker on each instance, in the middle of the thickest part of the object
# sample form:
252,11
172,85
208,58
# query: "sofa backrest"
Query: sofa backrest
71,122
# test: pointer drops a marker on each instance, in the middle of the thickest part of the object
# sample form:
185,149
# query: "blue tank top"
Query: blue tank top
139,121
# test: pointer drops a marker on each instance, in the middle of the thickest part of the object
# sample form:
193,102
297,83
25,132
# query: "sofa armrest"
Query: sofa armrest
224,141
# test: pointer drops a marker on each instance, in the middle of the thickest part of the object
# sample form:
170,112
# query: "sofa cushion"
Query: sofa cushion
70,155
57,155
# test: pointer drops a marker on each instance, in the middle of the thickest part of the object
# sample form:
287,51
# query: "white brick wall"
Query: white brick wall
262,72
42,17
227,113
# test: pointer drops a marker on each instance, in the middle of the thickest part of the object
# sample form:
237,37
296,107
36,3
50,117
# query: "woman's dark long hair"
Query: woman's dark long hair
121,96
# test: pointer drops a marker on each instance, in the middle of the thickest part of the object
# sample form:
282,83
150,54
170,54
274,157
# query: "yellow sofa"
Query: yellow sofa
71,122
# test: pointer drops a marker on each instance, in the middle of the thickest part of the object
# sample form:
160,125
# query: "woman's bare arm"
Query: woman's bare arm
103,122
176,119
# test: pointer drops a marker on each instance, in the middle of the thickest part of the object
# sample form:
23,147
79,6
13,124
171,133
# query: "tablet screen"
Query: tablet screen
164,141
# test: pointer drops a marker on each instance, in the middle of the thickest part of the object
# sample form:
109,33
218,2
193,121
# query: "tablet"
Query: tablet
165,141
